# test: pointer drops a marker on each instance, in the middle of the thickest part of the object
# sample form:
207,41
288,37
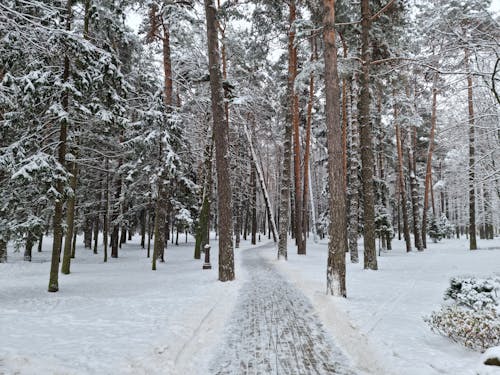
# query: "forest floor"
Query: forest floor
122,318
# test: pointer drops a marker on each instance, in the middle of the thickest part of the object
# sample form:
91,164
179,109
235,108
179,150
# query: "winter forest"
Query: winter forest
250,187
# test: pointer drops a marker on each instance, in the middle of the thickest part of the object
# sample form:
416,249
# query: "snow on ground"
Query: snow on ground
274,329
380,325
113,318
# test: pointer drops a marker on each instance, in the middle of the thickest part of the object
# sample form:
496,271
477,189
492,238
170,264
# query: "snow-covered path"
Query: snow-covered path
274,329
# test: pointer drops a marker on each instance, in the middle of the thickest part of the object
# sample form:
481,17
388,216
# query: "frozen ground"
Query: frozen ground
274,329
112,318
380,324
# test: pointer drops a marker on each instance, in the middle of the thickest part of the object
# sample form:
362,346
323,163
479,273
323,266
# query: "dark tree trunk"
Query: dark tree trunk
70,222
353,177
337,201
226,252
284,209
253,183
370,253
58,207
472,189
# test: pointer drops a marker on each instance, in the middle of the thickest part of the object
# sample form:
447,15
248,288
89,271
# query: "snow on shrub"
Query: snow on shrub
472,315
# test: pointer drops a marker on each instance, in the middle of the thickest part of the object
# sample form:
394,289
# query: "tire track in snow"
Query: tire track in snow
274,329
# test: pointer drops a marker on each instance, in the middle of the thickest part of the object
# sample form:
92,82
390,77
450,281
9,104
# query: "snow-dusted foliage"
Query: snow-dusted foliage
472,315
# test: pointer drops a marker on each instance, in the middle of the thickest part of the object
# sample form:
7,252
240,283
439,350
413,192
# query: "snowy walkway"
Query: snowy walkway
274,329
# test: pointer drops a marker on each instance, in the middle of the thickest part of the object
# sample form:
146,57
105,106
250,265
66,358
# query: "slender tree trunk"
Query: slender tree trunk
105,220
253,183
3,251
58,207
28,250
428,170
401,180
370,253
353,177
40,242
226,252
472,189
203,230
144,215
307,150
337,201
298,209
263,185
284,209
414,194
70,221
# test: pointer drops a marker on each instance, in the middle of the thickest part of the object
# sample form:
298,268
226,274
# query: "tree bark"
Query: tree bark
472,189
428,170
58,207
70,222
307,150
253,183
401,180
337,201
226,252
414,192
370,253
353,177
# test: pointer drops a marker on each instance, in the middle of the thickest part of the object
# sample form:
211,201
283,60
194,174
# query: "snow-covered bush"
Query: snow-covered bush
434,230
472,316
447,229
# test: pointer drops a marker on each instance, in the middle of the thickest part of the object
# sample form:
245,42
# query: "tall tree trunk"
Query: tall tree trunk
298,209
428,170
226,252
284,209
70,222
58,207
472,189
353,177
3,251
263,185
307,150
414,192
401,180
253,183
203,230
370,253
105,219
337,201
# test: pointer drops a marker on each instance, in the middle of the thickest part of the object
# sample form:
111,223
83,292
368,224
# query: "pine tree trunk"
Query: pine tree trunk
307,150
414,194
353,177
263,184
40,243
144,215
337,200
58,207
284,209
370,253
105,220
253,183
401,180
96,227
3,251
428,170
203,230
226,252
28,250
70,221
472,189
